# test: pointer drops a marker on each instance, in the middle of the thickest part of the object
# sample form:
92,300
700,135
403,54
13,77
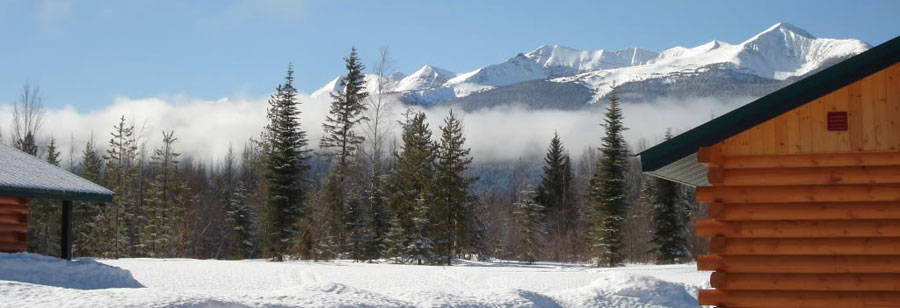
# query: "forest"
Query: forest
362,193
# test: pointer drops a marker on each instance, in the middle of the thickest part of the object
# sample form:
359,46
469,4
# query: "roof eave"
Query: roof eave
36,193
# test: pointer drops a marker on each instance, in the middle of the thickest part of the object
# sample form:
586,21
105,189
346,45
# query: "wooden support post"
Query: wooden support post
65,246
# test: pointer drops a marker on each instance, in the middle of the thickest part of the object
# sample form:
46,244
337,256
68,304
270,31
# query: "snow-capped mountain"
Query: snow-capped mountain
771,58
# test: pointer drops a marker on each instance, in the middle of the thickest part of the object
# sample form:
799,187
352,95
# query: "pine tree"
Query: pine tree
553,190
116,219
53,153
670,220
85,214
286,161
340,143
529,216
455,219
411,183
44,225
239,223
609,190
377,220
395,241
421,246
163,208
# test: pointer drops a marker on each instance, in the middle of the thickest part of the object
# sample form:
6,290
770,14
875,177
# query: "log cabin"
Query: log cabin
24,178
802,188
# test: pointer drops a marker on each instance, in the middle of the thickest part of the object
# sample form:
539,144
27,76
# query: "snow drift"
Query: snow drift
84,274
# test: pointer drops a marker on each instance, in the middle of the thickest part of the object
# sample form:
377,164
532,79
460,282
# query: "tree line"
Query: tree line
359,197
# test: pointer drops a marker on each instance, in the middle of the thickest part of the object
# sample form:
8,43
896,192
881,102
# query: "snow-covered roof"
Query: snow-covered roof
26,176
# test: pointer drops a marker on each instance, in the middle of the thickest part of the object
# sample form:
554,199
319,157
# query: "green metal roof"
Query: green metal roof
673,152
26,176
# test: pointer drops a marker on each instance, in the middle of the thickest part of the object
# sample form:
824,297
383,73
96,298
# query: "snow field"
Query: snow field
257,283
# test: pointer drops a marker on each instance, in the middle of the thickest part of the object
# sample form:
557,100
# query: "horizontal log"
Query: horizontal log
805,282
808,176
810,160
7,237
13,208
804,211
11,218
771,299
13,200
800,193
805,246
13,247
14,228
798,228
710,156
799,264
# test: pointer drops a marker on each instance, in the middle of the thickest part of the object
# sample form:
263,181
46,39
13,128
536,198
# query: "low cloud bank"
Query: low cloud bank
206,128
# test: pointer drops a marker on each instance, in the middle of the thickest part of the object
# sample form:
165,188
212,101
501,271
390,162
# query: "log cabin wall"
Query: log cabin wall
13,224
804,216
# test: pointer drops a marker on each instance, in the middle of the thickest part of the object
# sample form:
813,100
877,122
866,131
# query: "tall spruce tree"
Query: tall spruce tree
421,245
670,220
115,223
529,215
286,161
411,182
44,224
609,190
395,241
85,214
553,191
452,199
239,222
163,209
339,143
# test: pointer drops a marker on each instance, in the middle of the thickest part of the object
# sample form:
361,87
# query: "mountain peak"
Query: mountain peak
783,29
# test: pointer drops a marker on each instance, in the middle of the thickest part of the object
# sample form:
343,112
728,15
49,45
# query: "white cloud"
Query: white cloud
205,128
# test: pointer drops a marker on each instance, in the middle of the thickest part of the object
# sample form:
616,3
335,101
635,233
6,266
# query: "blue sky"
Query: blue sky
87,53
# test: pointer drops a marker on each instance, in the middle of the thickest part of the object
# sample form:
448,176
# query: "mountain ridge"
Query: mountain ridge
778,53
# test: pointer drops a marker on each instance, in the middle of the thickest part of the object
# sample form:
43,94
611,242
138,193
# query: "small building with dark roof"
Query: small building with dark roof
24,178
803,189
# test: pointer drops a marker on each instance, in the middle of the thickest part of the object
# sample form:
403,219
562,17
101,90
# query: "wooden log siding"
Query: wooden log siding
801,230
13,224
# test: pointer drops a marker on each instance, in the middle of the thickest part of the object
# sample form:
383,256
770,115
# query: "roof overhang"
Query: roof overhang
676,158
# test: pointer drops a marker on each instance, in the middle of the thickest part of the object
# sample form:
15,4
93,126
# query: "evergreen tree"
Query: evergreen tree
411,183
163,208
453,201
339,143
553,190
395,241
239,223
421,246
286,161
84,214
27,144
116,219
529,216
44,225
53,153
670,220
377,220
609,190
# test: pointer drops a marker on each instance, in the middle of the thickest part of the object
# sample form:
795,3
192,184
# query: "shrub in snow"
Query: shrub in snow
79,274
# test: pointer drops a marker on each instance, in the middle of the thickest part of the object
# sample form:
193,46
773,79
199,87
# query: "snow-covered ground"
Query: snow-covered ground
35,281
